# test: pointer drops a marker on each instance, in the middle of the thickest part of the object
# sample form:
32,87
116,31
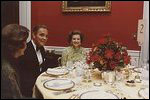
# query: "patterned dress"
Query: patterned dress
73,54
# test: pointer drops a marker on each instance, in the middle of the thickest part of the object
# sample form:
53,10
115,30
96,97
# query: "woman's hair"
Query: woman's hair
75,32
13,38
37,27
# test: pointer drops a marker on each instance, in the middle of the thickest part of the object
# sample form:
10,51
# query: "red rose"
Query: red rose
125,53
109,54
88,61
126,59
94,58
112,64
118,56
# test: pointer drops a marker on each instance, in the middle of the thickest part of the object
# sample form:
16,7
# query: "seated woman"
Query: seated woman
75,52
13,45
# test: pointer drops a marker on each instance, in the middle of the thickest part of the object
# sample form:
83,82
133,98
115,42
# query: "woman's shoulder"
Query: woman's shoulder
7,67
67,49
83,49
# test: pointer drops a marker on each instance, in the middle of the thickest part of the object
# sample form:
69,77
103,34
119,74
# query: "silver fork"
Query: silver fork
74,96
109,91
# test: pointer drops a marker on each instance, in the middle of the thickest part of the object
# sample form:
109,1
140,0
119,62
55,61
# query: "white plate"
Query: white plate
59,84
144,93
57,71
97,94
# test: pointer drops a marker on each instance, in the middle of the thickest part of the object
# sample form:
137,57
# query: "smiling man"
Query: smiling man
35,60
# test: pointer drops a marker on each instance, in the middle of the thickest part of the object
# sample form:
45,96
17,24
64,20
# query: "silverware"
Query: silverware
124,98
74,96
109,91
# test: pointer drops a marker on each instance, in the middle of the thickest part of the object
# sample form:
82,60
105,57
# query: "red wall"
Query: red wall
121,23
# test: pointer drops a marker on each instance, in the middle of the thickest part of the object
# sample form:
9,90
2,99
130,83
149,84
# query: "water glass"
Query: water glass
145,70
109,77
119,76
70,66
145,74
87,73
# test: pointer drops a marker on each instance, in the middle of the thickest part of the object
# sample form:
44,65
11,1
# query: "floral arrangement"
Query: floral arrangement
108,54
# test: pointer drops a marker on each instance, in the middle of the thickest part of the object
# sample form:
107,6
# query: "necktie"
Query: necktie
37,48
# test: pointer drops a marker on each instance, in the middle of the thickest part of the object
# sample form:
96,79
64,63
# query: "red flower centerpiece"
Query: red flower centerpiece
108,54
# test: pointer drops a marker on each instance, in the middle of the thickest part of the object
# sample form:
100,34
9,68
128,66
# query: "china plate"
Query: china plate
57,71
97,94
144,92
59,84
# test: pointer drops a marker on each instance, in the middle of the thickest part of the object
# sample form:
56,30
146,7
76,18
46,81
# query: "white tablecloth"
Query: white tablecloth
119,88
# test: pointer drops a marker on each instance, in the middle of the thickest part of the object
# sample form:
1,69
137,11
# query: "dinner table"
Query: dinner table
63,83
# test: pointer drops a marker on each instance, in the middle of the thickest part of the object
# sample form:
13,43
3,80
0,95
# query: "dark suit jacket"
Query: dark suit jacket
30,68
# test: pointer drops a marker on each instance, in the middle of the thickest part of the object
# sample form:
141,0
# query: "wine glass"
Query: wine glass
87,75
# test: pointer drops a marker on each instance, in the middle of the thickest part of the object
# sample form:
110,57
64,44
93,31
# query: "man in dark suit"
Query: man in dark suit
35,60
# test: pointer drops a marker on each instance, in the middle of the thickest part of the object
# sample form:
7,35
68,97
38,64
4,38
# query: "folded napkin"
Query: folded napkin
56,71
61,84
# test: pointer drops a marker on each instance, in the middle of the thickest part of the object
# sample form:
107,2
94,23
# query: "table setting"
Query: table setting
59,84
57,71
78,87
106,74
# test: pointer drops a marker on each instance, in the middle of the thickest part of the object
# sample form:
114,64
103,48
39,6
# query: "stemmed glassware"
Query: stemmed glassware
87,75
145,73
70,67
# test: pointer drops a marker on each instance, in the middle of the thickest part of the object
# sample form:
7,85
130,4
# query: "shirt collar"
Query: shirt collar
33,45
